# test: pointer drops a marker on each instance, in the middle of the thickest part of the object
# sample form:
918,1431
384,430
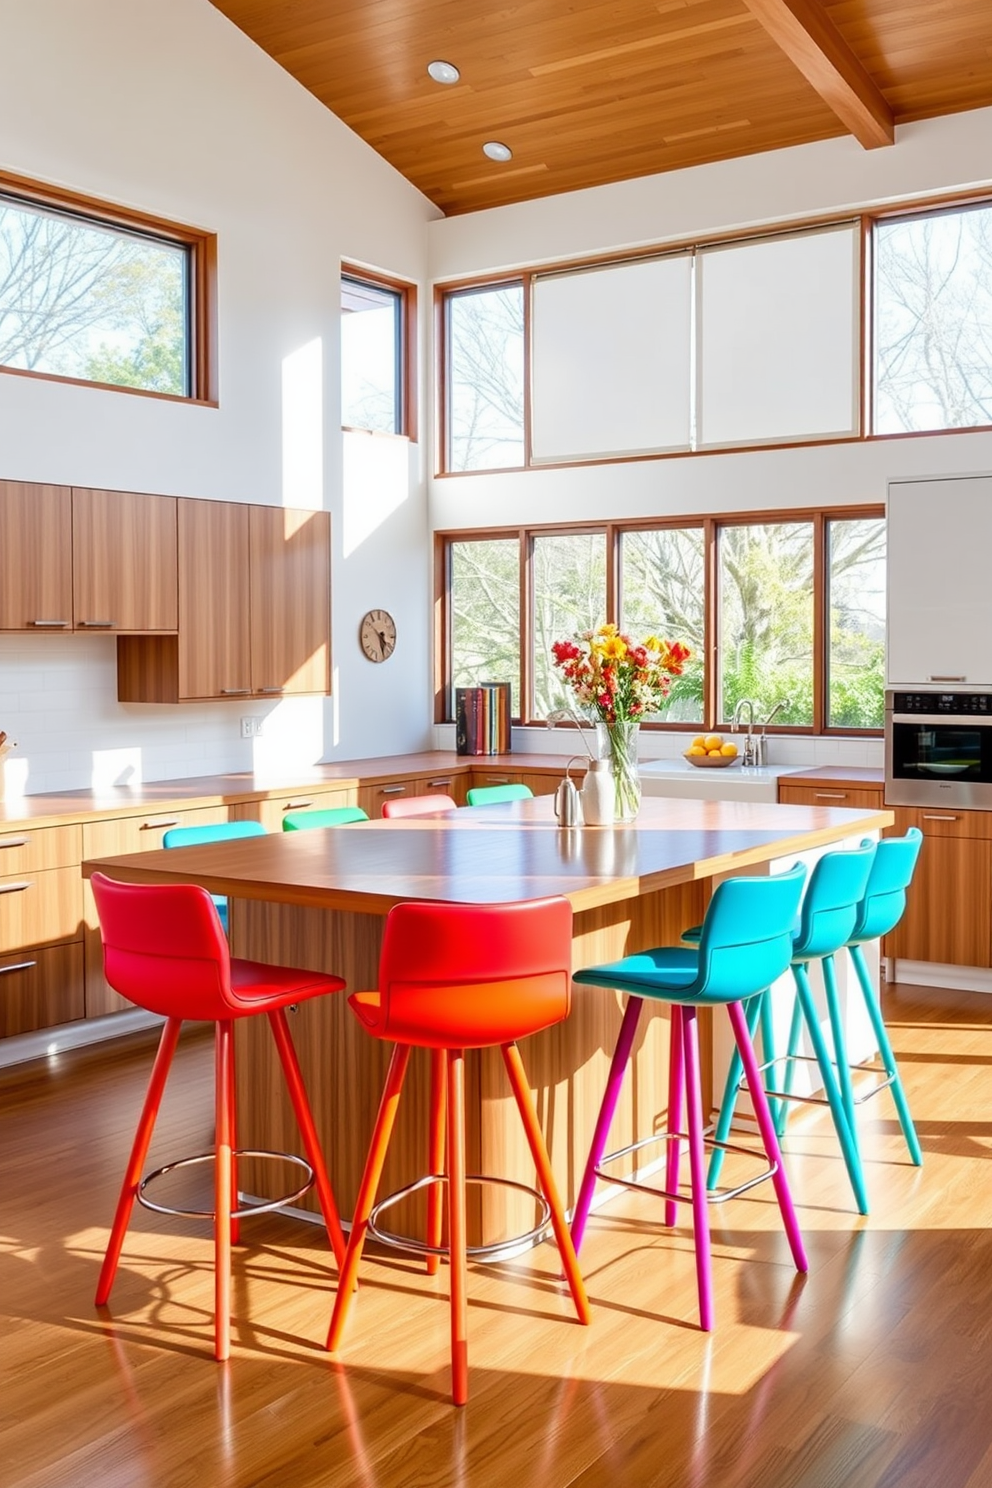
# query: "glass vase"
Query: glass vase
618,744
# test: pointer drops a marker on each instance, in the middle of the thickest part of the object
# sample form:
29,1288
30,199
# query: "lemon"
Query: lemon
699,742
696,749
713,741
729,750
715,753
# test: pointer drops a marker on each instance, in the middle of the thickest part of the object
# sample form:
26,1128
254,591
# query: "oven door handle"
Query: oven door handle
949,720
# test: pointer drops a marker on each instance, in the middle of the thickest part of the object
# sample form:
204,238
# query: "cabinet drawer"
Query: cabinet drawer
446,783
41,990
372,797
830,795
936,821
40,848
131,834
40,907
271,813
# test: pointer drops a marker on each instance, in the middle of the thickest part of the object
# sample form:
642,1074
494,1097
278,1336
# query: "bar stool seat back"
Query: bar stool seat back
492,795
418,806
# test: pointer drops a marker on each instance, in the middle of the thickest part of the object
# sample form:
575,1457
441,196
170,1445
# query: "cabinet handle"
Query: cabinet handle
392,790
51,624
156,826
831,795
98,624
271,689
18,966
235,692
13,842
17,888
947,679
297,805
440,782
931,816
498,779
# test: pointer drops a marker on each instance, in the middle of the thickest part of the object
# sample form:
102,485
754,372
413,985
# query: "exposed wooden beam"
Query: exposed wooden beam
809,38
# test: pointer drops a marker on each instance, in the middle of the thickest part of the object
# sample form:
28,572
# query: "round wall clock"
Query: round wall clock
377,635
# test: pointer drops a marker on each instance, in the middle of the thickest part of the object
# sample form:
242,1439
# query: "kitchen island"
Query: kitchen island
318,899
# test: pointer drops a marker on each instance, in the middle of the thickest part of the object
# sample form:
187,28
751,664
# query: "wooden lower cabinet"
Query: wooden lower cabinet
829,795
373,794
127,834
948,915
447,783
41,929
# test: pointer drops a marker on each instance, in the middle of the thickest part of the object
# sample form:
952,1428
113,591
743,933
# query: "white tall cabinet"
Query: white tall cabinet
939,608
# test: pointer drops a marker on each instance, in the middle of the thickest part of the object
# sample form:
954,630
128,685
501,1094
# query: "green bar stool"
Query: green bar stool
331,816
489,795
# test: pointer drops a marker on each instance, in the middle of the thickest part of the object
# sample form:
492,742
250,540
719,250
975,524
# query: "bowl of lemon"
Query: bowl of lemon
709,752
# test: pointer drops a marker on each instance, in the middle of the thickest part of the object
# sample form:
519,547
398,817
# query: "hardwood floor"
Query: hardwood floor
872,1371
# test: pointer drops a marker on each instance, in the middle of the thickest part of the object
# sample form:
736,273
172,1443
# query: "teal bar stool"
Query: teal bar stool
745,942
829,916
331,816
489,795
215,832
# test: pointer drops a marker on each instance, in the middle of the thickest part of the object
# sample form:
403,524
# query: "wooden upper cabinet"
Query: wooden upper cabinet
214,600
290,564
125,562
36,548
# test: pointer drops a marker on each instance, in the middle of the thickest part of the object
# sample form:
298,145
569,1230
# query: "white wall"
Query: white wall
169,108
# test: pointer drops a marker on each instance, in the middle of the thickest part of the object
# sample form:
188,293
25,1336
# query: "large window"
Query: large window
787,614
103,299
484,344
933,321
373,355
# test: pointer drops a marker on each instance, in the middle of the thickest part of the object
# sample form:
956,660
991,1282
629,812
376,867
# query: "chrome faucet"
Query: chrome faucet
761,744
748,756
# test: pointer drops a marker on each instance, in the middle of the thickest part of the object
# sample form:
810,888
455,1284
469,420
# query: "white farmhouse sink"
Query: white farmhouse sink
676,777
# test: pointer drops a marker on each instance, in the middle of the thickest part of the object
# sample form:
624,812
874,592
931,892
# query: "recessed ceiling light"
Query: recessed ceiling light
497,151
443,72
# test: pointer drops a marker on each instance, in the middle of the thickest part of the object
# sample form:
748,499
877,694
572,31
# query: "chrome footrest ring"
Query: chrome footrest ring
492,1252
717,1196
268,1207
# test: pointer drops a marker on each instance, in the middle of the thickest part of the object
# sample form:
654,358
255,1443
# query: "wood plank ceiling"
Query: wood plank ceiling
603,90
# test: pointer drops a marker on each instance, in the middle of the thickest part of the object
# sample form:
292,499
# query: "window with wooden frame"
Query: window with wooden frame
784,609
99,294
378,353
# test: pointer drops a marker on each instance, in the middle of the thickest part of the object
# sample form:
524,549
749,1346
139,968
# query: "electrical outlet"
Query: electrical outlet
251,728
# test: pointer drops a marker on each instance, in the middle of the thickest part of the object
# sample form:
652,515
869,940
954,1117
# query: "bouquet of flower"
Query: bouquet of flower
616,679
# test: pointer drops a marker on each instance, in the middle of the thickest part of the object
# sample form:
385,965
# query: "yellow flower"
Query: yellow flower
614,648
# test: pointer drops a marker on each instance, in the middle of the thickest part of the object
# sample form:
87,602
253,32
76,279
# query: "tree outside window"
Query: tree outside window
485,375
485,615
662,591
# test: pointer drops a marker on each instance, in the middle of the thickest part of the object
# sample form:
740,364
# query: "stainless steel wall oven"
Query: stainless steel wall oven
938,748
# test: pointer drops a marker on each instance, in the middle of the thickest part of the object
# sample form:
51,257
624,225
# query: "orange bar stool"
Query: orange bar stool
417,806
164,949
454,977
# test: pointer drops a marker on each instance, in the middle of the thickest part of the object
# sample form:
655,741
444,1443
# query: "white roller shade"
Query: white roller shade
777,338
612,360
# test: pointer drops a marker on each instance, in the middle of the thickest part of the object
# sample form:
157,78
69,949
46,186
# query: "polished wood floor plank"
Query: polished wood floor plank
871,1371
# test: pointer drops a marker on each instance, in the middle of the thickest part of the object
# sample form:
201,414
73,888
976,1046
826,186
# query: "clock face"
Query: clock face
377,635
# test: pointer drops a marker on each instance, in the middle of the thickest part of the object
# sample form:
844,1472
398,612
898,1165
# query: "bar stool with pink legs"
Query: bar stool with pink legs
454,977
164,949
745,944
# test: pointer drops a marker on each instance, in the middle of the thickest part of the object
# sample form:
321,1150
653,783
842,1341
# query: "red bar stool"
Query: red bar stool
417,806
454,977
164,949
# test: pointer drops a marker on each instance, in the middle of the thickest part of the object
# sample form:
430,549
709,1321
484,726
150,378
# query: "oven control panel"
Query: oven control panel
954,704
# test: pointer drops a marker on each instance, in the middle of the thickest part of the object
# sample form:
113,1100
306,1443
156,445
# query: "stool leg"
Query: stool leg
546,1178
435,1156
888,1057
768,1134
136,1161
840,1044
611,1095
791,1050
697,1166
223,1079
676,1100
308,1130
848,1145
367,1191
457,1224
731,1090
232,1105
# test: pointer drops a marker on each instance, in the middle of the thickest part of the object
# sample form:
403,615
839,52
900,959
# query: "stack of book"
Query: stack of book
482,718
